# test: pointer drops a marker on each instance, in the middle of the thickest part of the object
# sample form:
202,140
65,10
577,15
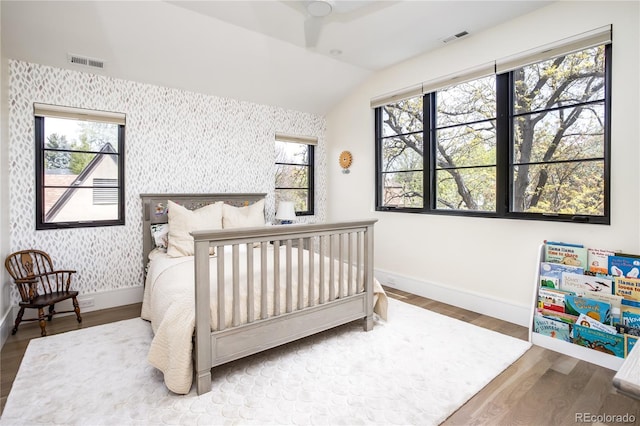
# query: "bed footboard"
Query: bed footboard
324,273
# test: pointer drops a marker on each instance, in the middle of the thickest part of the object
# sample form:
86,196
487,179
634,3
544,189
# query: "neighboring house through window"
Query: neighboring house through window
522,138
80,167
294,173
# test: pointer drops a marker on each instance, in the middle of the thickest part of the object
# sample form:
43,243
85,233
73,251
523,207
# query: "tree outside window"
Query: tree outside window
80,172
441,152
294,175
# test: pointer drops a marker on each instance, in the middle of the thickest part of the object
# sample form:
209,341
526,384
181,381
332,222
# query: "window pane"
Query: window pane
293,153
575,188
477,193
78,177
563,81
90,165
467,102
403,153
300,198
61,133
292,176
404,189
467,145
402,117
76,204
565,134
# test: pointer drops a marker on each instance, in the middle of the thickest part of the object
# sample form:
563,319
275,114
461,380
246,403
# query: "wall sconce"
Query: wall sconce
286,212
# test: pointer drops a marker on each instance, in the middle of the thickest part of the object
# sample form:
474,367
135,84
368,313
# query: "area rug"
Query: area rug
416,368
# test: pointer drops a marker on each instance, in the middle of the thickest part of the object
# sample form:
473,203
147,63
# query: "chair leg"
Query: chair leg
51,311
76,308
18,320
43,323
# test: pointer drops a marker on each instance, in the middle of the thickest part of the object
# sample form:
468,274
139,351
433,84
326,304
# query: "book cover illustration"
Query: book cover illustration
598,260
548,327
585,283
558,316
629,288
612,344
552,299
629,343
576,305
587,321
624,266
631,320
566,254
551,273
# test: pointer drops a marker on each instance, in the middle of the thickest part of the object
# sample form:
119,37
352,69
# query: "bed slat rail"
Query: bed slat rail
334,265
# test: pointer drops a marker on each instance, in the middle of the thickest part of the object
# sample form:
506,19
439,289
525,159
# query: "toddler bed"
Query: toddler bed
221,286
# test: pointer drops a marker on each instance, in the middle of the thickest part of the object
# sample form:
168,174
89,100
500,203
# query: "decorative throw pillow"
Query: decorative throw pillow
182,221
160,235
243,217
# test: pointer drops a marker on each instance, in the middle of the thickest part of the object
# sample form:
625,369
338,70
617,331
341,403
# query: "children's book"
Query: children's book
576,305
612,344
566,254
585,283
629,288
587,321
552,299
552,328
629,343
598,260
558,316
624,266
551,273
631,319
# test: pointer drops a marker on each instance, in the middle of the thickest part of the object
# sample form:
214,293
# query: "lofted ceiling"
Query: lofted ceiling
268,52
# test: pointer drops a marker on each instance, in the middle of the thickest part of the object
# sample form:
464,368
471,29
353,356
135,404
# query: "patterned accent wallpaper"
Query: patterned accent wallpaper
175,141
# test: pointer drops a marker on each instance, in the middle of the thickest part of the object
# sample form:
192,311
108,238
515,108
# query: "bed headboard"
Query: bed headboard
154,209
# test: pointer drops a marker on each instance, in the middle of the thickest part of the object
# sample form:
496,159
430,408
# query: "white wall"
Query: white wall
4,195
176,141
488,265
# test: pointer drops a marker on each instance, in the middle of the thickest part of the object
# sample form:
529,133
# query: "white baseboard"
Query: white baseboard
6,324
472,301
101,300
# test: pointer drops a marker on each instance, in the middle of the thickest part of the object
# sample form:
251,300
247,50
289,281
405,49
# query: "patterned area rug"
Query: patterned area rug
417,368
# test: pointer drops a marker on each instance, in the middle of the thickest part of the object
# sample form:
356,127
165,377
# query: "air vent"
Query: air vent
83,60
455,37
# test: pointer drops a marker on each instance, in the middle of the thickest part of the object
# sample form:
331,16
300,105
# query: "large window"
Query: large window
80,167
294,174
530,142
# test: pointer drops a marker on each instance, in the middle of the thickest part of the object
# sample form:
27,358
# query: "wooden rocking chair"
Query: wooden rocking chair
40,285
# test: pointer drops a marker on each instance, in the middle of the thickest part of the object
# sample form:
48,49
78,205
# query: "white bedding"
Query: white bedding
169,304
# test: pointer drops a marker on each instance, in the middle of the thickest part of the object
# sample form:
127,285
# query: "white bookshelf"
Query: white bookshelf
595,357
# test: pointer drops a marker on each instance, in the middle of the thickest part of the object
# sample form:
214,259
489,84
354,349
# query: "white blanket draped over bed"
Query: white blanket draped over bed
169,303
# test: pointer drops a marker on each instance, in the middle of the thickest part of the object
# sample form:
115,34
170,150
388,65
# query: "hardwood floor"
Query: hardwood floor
541,388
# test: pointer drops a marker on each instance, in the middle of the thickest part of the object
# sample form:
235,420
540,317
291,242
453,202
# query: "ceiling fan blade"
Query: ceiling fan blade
312,30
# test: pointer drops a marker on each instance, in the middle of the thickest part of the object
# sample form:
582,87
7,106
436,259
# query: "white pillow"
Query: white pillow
182,221
243,217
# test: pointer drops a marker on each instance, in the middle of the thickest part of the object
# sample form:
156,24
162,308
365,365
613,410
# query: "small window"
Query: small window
80,168
294,174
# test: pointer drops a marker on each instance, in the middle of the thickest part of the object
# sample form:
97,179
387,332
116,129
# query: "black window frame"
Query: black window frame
40,143
311,179
504,155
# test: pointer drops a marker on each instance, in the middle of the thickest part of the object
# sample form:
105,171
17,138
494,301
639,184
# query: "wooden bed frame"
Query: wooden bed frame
351,301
